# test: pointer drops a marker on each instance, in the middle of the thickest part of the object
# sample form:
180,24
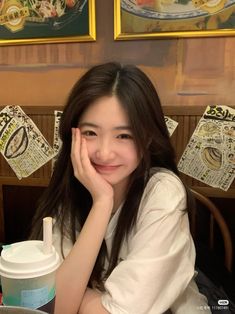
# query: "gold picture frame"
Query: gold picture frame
148,19
46,21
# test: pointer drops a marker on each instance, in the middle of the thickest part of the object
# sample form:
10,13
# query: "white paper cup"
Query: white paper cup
28,275
18,310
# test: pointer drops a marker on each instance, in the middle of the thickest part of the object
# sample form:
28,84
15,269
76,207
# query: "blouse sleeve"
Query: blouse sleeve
160,262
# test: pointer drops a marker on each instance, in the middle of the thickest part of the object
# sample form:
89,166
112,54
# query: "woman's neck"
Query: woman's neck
120,192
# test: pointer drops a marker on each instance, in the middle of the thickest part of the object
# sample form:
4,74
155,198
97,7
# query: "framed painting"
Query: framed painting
46,21
145,19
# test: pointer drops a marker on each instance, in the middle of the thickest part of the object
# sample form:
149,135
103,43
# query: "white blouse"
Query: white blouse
156,263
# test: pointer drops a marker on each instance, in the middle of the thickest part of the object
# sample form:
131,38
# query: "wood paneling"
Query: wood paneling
185,71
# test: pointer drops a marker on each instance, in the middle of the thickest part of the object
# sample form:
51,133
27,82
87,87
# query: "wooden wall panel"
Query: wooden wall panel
179,68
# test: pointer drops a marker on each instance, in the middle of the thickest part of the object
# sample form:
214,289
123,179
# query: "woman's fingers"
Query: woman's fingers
85,161
79,155
84,170
76,151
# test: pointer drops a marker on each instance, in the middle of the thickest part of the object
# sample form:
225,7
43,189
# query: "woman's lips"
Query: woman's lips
104,168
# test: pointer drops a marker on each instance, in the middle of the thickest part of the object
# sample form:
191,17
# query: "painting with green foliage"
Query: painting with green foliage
30,21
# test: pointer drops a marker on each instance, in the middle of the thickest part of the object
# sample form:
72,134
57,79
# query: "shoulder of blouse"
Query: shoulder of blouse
164,178
164,191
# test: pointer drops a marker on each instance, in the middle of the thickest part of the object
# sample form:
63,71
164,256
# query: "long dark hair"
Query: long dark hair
66,198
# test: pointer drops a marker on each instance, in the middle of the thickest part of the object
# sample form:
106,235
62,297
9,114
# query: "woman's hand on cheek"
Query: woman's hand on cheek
99,188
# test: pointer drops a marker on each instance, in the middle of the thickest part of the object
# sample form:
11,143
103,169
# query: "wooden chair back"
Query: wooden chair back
215,221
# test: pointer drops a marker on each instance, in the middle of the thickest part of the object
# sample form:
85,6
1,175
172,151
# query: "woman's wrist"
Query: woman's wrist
104,203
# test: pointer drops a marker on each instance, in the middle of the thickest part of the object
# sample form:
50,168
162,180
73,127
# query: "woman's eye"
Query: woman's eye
88,133
125,136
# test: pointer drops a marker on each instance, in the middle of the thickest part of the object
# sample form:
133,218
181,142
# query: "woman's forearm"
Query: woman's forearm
74,273
91,303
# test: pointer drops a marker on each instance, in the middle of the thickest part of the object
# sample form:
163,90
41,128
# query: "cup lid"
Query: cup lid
26,260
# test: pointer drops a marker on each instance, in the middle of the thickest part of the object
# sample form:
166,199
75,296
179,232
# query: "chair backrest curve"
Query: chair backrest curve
217,216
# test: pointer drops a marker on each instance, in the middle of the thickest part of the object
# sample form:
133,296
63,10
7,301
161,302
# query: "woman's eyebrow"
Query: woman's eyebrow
123,127
93,125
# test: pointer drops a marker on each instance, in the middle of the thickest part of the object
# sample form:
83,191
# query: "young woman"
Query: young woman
120,210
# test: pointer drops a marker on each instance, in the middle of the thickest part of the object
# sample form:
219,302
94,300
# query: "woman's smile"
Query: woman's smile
105,168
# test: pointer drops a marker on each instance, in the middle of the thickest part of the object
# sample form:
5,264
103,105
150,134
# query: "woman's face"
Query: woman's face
110,143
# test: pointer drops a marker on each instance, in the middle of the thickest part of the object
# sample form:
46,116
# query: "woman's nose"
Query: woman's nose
105,151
